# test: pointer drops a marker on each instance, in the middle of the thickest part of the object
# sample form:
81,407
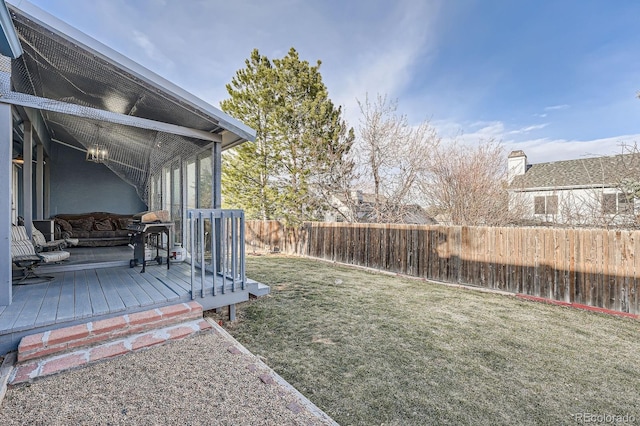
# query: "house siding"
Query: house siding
574,206
79,186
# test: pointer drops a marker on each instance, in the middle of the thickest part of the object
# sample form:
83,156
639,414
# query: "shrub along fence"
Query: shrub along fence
594,267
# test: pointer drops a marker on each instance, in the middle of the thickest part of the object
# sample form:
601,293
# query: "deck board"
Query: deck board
154,294
49,309
182,276
136,290
82,302
110,292
88,294
11,314
34,297
124,292
160,287
99,305
161,275
66,304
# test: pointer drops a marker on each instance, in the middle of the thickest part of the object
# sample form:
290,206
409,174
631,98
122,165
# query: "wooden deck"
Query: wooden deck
89,291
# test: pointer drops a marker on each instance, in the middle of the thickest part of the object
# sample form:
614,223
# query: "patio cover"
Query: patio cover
87,94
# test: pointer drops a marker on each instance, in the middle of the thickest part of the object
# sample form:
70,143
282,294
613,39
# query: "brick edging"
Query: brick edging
77,336
34,369
269,377
577,306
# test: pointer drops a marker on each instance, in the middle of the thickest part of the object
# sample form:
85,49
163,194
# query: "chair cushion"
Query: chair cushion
38,238
54,256
19,233
25,258
72,241
22,248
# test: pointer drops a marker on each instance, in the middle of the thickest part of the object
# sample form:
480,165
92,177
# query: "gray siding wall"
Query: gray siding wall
79,186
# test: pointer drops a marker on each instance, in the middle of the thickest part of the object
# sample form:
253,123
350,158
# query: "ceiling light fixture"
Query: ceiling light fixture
97,153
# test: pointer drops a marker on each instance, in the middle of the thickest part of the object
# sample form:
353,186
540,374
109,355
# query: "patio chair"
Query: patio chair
25,257
41,243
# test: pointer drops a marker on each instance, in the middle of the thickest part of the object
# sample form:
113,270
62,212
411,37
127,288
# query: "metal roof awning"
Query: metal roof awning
88,94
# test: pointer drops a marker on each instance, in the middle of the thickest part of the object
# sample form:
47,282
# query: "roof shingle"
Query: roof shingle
605,171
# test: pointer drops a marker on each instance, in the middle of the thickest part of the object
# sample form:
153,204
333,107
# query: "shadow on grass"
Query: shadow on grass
369,349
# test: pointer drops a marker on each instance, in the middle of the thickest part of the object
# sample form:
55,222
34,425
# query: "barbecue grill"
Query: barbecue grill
145,234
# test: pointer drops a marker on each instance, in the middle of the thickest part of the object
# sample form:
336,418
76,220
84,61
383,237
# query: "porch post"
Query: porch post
216,196
6,148
47,189
217,175
27,179
40,182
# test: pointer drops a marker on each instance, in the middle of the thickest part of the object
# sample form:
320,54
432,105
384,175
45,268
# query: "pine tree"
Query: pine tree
301,139
248,170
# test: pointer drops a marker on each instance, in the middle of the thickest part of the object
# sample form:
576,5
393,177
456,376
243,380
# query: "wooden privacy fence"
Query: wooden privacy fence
595,267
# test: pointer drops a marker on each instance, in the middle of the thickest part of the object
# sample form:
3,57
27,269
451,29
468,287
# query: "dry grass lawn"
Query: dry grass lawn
375,349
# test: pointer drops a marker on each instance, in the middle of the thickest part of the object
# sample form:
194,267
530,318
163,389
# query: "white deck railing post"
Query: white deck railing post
226,244
192,245
214,251
242,251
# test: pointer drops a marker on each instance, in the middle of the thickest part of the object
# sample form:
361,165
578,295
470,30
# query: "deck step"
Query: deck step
27,371
257,289
66,339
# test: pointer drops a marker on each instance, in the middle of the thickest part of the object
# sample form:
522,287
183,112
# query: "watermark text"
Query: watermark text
613,419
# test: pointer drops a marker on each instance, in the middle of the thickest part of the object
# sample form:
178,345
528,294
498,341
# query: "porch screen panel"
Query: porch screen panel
155,193
191,184
176,202
54,67
192,193
166,192
205,181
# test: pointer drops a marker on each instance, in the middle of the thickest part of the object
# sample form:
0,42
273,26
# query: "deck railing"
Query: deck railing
216,244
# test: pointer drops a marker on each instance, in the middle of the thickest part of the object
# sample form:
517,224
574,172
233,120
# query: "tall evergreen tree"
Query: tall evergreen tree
285,173
249,169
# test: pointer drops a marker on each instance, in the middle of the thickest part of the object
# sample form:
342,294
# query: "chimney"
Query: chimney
517,165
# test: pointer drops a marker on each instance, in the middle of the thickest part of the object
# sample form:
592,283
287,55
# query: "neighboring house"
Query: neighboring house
85,129
361,207
596,191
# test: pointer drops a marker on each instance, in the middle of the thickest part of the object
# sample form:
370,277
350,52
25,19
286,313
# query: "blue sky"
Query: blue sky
558,79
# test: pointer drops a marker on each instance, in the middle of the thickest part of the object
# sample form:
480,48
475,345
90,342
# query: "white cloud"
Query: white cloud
547,150
382,59
150,49
539,150
528,129
556,107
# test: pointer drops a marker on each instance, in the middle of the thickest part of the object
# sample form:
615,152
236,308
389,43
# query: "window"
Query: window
617,203
552,204
625,203
609,203
538,205
545,204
